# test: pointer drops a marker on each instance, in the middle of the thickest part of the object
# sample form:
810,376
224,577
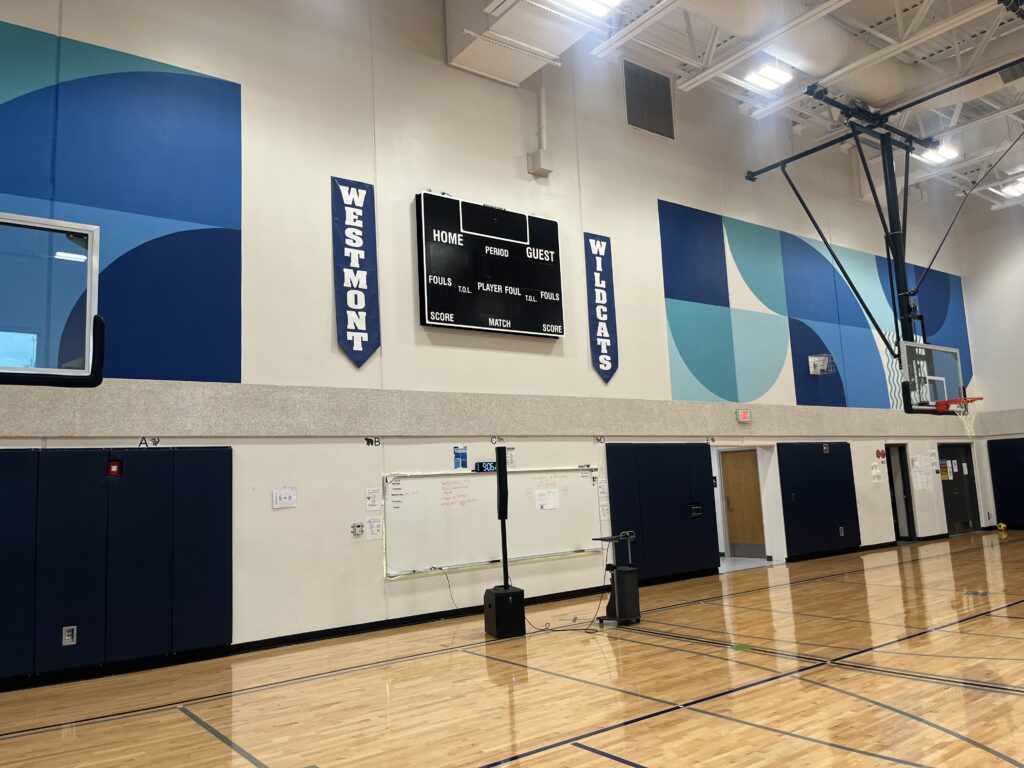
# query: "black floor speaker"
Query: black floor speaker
504,612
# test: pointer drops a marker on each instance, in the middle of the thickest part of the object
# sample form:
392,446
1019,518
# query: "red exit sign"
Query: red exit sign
743,416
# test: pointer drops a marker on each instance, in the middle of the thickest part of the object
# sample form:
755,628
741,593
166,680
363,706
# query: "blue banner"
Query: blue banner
604,344
354,217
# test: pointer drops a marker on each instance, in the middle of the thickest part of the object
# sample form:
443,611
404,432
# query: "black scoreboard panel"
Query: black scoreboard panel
488,269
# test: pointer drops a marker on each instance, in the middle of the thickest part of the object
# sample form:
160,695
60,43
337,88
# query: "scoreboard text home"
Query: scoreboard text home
486,268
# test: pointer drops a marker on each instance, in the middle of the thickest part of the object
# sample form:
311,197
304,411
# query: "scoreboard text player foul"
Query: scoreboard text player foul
487,269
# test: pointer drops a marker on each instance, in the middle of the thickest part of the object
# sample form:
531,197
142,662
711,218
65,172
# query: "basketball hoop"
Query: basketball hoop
961,407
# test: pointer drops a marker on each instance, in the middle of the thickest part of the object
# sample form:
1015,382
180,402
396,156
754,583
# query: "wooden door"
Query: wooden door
743,504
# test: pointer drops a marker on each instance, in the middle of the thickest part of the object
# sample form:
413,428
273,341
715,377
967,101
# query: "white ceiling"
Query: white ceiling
946,40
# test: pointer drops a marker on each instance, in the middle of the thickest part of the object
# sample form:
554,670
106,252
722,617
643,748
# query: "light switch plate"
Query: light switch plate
286,498
69,636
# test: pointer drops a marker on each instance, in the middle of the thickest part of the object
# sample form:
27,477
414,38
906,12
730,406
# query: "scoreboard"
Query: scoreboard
486,268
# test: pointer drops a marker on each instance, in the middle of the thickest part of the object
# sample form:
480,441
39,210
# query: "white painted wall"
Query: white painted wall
874,505
993,276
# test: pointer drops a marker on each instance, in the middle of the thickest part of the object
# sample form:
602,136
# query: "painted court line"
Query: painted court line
616,758
897,760
923,721
569,677
214,732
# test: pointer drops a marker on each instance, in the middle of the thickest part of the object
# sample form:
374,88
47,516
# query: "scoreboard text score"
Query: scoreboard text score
486,268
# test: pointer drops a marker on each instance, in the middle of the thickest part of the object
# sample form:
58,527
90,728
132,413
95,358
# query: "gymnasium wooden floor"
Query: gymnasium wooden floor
909,656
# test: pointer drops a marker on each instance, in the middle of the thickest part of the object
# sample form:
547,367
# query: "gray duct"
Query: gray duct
823,46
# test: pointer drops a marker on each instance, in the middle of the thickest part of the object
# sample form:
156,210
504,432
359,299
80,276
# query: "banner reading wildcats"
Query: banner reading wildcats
604,343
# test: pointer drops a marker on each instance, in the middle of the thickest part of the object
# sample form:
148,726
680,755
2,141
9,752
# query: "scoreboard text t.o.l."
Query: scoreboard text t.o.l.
487,269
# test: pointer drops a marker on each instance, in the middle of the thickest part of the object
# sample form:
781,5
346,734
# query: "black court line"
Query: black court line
925,588
840,573
756,637
616,758
897,760
254,688
725,645
591,734
811,615
926,677
918,718
213,731
687,650
756,683
519,664
952,656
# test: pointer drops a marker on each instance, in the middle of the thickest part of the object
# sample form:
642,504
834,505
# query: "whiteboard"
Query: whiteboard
450,520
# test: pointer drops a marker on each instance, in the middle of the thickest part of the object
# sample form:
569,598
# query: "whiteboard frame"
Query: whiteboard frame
463,567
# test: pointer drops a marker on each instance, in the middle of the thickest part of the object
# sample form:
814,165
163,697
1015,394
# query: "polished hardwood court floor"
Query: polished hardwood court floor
907,656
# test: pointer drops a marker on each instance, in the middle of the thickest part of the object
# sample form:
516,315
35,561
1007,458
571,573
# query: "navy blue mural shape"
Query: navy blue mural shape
172,308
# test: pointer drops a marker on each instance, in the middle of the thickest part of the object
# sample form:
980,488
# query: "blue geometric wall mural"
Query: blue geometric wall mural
747,305
152,154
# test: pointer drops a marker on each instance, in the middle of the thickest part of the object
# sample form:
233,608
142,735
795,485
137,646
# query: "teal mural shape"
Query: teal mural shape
757,254
702,334
761,344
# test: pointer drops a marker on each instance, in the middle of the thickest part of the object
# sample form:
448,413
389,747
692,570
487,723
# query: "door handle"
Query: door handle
728,503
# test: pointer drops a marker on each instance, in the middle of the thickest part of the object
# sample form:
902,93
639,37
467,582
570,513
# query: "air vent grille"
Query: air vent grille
1011,73
648,100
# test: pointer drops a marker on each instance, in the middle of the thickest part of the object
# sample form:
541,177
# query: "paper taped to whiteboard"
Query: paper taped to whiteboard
546,498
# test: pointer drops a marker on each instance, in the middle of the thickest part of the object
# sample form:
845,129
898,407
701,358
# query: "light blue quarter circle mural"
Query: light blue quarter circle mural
742,300
151,153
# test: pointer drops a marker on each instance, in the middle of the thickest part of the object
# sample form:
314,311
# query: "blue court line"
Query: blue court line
616,758
213,731
898,760
923,721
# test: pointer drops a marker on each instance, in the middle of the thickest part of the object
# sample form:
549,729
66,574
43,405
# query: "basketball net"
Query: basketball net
961,407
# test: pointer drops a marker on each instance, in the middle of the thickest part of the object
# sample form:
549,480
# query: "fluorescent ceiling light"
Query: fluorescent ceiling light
760,81
948,151
775,74
598,8
1012,190
65,256
931,156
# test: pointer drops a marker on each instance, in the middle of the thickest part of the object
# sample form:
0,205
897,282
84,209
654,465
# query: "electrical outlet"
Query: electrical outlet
69,636
358,529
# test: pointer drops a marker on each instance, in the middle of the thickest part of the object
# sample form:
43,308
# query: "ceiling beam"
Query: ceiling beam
635,27
758,45
884,54
919,17
1009,111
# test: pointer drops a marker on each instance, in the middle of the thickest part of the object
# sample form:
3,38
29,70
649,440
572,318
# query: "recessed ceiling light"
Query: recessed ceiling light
760,81
775,74
598,8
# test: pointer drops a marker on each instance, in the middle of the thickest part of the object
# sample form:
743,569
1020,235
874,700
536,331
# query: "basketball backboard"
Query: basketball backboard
930,374
49,273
